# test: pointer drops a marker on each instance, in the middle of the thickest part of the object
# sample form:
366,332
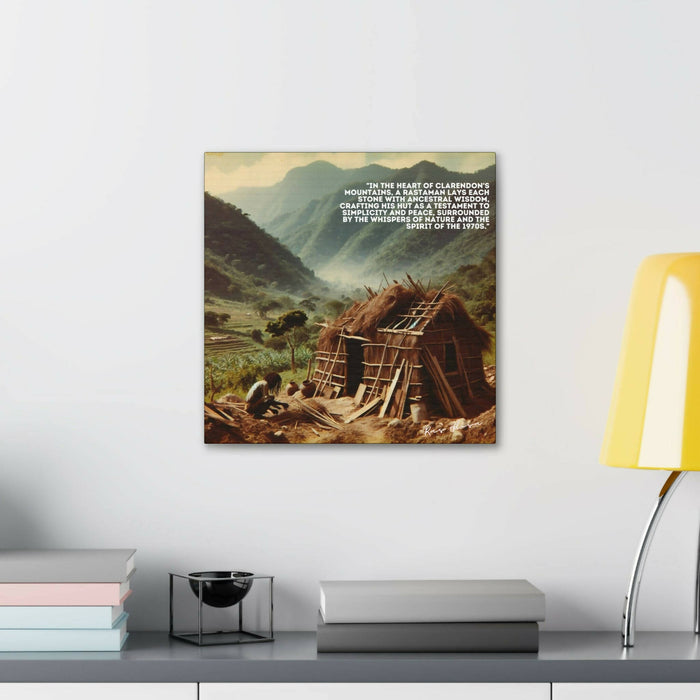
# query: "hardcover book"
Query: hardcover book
431,601
66,639
444,637
66,565
350,297
39,594
59,617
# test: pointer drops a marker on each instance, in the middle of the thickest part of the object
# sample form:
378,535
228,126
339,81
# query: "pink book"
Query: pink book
64,593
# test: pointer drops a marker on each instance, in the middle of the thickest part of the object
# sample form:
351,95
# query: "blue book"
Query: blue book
59,616
112,639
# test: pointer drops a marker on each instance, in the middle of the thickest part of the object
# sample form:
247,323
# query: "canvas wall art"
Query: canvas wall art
350,298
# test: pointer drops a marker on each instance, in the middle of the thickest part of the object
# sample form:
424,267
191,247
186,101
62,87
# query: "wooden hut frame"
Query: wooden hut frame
404,344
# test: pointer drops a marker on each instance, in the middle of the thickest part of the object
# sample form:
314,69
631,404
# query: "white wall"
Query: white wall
107,107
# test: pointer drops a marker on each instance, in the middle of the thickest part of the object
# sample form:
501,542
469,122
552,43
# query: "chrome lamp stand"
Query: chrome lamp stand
629,613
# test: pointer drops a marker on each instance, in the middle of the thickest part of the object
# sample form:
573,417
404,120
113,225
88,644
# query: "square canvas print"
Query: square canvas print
350,298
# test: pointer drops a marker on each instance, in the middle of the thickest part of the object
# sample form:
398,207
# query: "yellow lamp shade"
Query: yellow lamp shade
654,419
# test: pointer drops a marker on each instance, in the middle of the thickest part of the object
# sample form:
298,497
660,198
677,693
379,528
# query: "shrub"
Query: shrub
237,372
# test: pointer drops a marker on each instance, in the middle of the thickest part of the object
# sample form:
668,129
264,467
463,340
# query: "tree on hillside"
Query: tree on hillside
308,304
290,326
262,308
335,307
256,335
214,320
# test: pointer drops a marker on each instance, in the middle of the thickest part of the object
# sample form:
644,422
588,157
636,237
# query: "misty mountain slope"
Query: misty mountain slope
319,233
238,253
368,241
318,212
427,254
468,248
348,251
408,251
299,186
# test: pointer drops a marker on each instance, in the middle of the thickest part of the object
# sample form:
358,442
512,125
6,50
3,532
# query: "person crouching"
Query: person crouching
261,396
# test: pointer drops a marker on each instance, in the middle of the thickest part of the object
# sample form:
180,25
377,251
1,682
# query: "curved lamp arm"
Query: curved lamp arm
630,612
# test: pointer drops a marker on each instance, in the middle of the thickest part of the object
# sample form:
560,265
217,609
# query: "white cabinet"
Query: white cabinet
374,691
625,691
98,691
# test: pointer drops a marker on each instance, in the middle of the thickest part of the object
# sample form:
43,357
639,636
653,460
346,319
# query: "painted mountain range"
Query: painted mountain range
240,258
359,252
298,187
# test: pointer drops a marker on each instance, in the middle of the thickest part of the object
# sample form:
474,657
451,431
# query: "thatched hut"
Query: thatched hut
404,344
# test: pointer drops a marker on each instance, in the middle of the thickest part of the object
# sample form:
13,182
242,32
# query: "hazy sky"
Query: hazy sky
224,172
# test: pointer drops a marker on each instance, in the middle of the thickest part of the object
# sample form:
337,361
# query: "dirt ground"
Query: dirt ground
226,423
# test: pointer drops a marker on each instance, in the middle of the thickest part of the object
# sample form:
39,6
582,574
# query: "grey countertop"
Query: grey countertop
563,657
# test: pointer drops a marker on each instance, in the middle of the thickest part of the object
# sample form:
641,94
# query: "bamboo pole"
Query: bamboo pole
439,378
320,386
460,364
405,389
381,362
391,389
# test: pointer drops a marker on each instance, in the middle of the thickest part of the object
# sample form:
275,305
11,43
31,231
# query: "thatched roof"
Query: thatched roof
365,319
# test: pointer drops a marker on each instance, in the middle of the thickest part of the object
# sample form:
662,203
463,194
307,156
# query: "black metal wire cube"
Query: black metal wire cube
206,607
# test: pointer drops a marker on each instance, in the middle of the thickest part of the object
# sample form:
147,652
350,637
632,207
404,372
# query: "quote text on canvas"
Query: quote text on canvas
420,205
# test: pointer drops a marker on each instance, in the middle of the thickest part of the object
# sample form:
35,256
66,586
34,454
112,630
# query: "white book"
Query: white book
444,600
59,616
66,565
66,640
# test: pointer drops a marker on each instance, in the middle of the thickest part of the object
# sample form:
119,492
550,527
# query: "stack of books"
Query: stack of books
429,616
64,599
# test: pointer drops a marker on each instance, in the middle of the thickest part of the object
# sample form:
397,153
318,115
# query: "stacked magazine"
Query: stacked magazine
430,616
64,599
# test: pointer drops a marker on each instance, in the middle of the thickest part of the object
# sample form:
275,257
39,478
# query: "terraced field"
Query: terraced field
234,334
233,360
221,343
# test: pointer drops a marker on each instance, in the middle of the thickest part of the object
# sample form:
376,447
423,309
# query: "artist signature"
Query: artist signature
438,429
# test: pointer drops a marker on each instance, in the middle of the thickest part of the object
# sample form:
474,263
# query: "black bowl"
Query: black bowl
232,588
